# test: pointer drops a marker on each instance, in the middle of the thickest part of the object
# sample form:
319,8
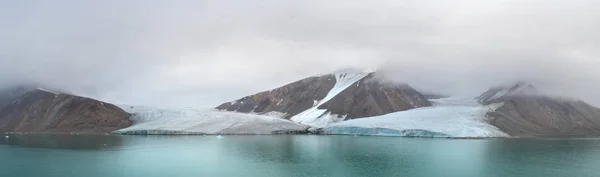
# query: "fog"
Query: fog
201,53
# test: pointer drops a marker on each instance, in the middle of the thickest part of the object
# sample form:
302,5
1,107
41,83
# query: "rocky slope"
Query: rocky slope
368,97
290,99
322,100
45,111
525,113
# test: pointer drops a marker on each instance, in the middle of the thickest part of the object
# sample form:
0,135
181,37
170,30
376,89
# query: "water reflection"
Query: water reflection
297,155
543,157
63,141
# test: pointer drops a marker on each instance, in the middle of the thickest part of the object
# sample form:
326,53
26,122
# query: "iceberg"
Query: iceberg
449,117
188,121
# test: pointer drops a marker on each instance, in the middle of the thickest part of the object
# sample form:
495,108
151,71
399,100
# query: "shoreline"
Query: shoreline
310,134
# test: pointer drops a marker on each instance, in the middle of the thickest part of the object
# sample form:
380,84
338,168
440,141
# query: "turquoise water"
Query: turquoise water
294,155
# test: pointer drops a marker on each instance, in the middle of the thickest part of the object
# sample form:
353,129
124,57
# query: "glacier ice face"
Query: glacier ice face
449,117
383,132
320,117
149,120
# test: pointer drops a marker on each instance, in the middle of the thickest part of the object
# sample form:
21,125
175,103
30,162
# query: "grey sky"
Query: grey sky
201,53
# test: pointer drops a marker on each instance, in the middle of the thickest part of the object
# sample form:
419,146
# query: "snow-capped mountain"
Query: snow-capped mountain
336,101
41,110
330,98
350,102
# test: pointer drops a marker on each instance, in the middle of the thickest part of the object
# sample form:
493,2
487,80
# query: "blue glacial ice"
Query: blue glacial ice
449,117
382,132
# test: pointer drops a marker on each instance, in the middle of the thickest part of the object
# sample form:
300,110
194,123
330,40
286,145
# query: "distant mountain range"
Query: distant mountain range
348,101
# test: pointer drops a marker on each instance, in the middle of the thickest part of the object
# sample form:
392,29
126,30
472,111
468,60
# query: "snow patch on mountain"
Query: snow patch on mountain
46,90
148,120
319,117
451,117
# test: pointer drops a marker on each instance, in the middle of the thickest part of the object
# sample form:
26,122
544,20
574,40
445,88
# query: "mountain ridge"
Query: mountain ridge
526,112
41,110
321,107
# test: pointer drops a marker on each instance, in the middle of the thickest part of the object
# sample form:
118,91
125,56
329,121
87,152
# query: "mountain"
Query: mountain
499,93
517,110
329,98
40,110
10,94
524,112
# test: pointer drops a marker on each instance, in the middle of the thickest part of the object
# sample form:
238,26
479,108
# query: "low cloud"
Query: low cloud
202,53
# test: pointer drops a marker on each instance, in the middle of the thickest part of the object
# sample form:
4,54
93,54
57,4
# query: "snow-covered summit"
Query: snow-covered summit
46,90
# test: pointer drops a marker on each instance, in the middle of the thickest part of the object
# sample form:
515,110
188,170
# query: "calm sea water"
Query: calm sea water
294,155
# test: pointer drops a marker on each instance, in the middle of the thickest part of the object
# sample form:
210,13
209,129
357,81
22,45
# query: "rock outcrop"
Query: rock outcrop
330,98
523,113
45,111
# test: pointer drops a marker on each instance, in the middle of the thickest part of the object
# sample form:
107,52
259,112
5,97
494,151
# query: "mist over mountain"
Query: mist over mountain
202,53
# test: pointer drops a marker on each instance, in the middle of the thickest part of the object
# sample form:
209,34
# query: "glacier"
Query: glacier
320,117
448,117
383,132
155,121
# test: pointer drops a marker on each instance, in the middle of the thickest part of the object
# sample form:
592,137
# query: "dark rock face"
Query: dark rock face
291,99
42,111
524,115
368,97
543,116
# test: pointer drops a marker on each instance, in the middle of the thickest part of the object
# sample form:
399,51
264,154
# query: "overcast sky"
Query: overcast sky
201,53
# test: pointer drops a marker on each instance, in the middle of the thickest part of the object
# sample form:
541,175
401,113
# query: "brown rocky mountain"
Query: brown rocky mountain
348,94
292,98
523,113
369,97
45,111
